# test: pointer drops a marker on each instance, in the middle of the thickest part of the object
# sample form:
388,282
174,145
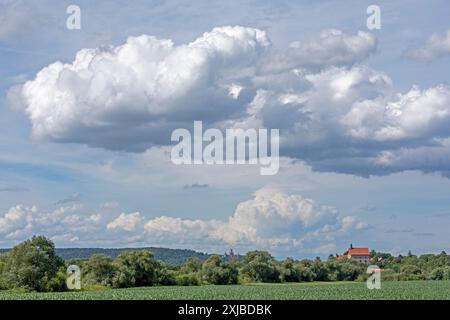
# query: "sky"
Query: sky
86,117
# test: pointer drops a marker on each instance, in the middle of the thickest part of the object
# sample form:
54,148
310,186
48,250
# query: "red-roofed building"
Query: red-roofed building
359,254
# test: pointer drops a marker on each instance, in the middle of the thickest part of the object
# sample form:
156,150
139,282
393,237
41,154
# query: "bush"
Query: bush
410,269
166,276
192,265
136,269
189,279
320,270
447,273
347,270
362,278
288,271
3,257
389,275
260,266
438,274
99,269
215,271
305,272
58,282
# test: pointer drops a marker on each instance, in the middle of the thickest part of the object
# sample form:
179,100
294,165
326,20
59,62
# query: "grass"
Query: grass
428,290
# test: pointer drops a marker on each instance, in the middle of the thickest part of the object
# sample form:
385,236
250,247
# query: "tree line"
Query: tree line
34,266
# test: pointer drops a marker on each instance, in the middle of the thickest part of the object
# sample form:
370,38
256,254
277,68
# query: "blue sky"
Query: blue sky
353,176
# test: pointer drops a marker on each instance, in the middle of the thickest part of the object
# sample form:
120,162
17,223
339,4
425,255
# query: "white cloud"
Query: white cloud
330,47
333,113
194,233
436,46
271,220
272,217
21,222
349,222
132,96
16,219
96,218
349,116
124,221
65,238
414,115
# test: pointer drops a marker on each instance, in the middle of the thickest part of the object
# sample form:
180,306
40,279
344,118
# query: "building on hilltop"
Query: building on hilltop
358,254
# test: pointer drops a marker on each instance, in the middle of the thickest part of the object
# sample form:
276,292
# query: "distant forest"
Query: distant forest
174,257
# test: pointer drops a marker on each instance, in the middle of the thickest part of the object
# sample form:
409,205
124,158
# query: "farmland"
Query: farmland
300,291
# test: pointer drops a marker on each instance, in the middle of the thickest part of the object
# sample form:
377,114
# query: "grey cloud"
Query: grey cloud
330,47
436,46
195,186
14,18
399,231
75,197
424,234
14,189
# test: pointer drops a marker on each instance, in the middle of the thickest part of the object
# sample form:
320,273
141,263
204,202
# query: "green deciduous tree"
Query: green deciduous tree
33,265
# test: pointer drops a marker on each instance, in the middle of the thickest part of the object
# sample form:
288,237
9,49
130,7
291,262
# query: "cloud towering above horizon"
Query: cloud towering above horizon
271,220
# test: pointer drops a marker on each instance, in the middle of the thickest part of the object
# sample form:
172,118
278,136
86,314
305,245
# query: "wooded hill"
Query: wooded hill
174,257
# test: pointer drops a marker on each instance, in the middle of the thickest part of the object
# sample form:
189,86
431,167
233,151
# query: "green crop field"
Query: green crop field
336,290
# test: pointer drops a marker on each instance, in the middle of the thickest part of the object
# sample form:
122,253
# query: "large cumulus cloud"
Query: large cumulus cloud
272,220
346,118
333,112
132,96
63,223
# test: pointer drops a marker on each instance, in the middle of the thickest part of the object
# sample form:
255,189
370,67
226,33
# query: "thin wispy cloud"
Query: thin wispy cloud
195,186
75,197
14,189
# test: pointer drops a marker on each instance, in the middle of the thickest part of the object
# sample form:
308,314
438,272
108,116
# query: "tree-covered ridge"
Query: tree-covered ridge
35,266
173,257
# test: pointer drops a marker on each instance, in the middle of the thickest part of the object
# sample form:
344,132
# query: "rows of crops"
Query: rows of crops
337,290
